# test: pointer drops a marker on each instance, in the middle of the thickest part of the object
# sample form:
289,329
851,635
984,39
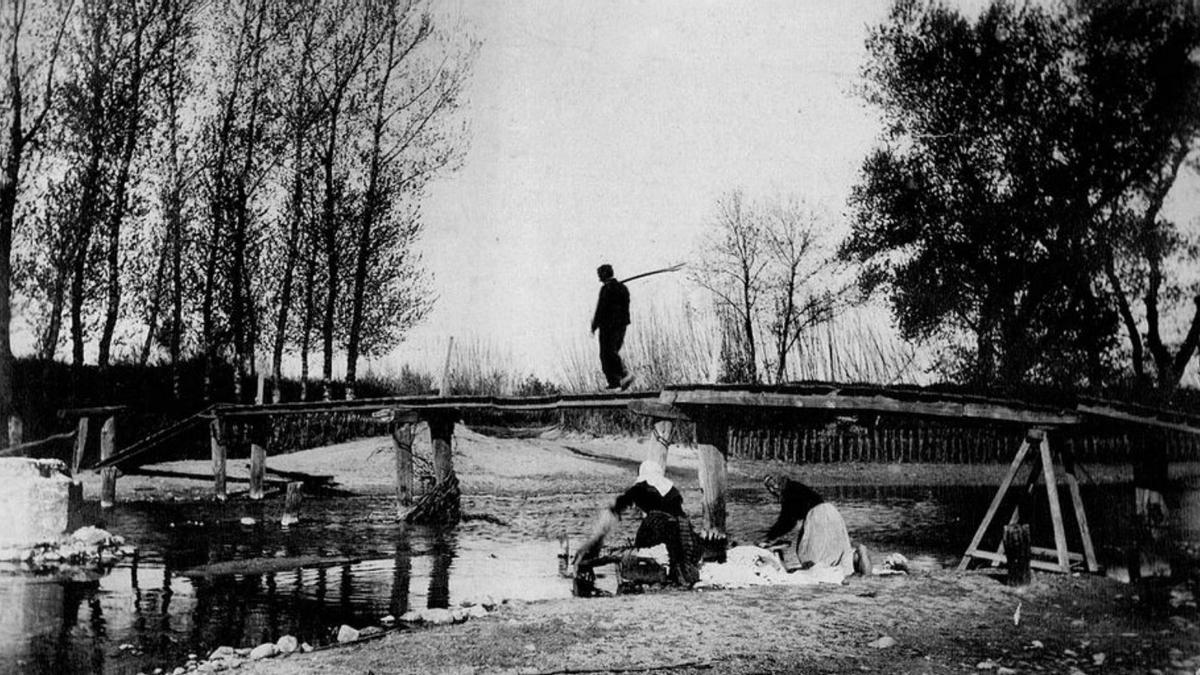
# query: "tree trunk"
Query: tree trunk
48,343
9,183
155,306
331,263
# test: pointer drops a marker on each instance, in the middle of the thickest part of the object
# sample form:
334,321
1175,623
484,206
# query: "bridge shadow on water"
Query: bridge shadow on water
156,610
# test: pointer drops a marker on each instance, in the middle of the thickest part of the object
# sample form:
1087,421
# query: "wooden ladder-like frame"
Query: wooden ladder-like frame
1036,449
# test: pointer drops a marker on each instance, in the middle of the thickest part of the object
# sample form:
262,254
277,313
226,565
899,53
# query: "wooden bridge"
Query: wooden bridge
712,410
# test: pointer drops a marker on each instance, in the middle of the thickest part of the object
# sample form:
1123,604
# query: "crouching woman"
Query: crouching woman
823,539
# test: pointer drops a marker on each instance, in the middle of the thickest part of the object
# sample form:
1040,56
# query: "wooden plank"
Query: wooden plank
1035,564
1060,535
164,473
98,411
1085,532
980,410
1052,553
80,445
108,475
254,566
1109,412
995,505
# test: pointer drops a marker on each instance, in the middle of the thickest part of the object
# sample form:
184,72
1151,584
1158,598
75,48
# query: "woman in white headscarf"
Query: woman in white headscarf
665,523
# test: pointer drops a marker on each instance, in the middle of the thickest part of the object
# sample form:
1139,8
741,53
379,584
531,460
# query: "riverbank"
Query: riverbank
936,621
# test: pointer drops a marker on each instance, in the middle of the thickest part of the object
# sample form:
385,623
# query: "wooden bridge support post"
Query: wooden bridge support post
291,505
81,434
664,435
402,441
108,475
218,440
16,431
441,436
712,441
258,468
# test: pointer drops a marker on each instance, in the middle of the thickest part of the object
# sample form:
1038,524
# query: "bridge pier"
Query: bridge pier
712,444
402,441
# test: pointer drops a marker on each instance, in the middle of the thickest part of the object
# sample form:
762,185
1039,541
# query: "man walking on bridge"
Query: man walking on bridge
611,318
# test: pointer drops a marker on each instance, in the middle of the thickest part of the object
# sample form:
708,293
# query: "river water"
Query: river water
148,613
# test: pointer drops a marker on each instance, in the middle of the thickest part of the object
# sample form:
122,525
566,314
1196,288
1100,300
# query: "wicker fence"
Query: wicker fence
939,444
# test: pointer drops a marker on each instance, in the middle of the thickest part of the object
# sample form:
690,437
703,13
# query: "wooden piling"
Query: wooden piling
402,442
441,435
258,468
217,443
711,442
1017,551
664,434
108,475
260,395
81,434
16,431
291,506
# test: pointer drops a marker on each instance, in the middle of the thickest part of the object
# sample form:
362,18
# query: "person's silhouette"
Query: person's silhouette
611,319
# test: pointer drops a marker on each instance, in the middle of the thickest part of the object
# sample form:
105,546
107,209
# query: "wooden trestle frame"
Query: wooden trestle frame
1037,451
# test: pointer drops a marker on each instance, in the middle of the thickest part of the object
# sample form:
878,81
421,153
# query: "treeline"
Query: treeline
211,180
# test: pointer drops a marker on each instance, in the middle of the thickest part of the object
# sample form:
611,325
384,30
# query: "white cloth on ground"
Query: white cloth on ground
754,566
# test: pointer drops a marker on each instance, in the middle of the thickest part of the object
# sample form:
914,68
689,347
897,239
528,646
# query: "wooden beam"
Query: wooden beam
99,411
80,445
1060,535
880,403
997,499
1111,413
1085,533
291,505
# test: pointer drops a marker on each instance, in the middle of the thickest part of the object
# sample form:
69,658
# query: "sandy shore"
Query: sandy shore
940,622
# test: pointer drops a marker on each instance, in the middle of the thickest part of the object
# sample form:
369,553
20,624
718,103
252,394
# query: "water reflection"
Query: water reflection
155,604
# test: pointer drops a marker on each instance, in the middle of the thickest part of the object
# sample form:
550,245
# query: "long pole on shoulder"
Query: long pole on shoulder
672,268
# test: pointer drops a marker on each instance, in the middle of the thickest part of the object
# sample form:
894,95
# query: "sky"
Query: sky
606,131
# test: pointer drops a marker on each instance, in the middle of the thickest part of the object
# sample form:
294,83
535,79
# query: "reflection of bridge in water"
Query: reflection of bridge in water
711,413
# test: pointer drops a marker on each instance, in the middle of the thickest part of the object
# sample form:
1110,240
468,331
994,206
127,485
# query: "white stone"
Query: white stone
35,501
387,620
264,651
437,617
222,652
476,612
305,647
346,634
287,644
883,642
412,616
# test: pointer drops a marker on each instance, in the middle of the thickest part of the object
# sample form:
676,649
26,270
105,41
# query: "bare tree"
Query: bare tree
407,144
733,268
804,288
